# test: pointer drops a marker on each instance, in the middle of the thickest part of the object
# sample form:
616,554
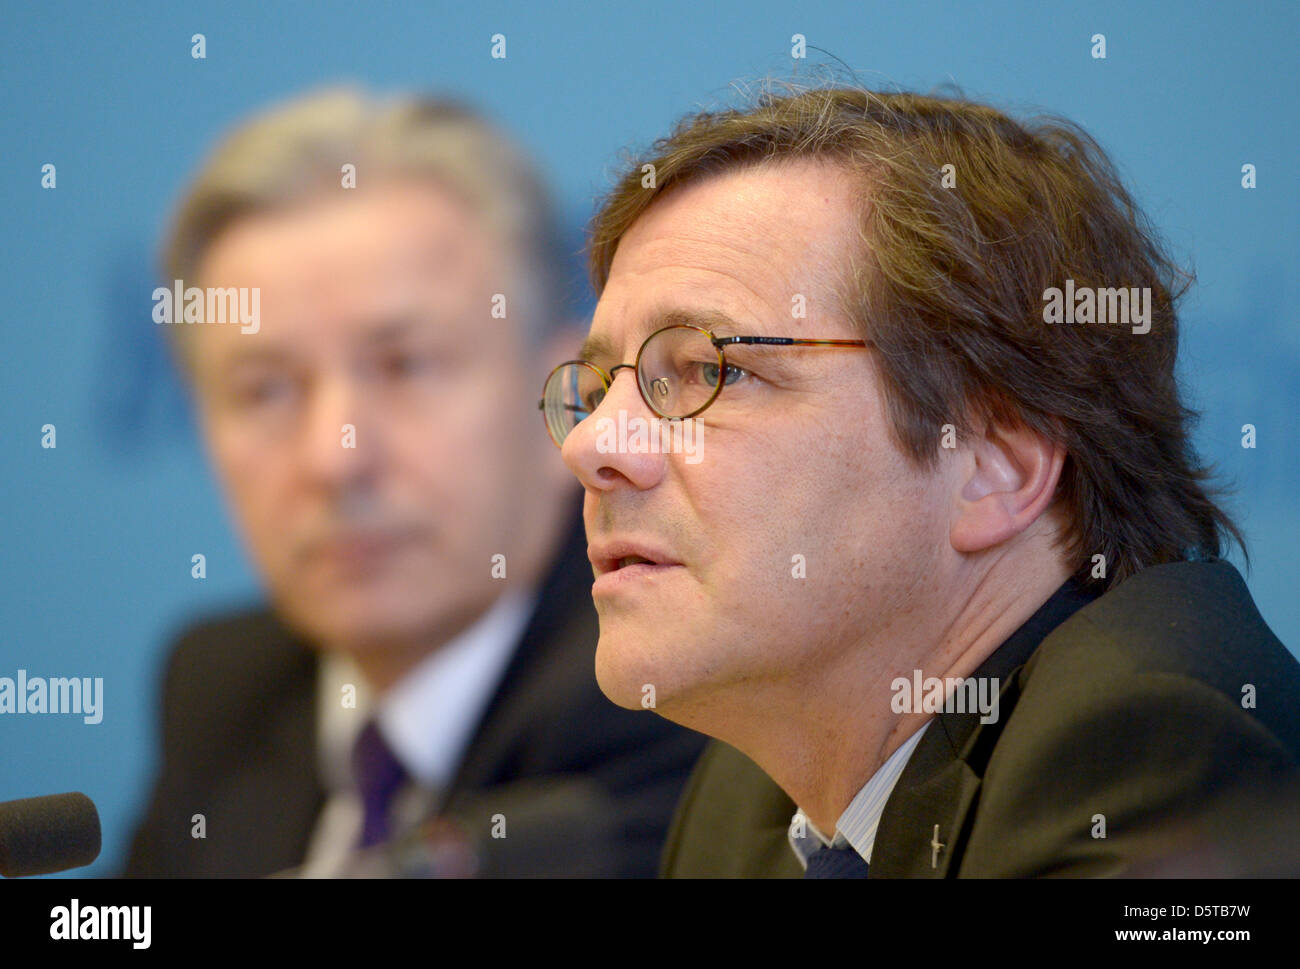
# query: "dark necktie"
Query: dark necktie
379,774
835,863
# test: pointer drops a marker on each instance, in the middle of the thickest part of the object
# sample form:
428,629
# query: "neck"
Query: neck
837,725
385,663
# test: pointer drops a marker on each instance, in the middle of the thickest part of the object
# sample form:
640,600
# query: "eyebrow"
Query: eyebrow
395,328
391,330
598,347
252,357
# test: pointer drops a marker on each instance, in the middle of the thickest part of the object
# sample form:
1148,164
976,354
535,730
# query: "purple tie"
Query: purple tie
379,774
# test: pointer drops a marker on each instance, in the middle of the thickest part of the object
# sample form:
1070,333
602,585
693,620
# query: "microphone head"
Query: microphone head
42,835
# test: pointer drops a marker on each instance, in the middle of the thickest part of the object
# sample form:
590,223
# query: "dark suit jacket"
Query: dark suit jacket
587,787
1131,709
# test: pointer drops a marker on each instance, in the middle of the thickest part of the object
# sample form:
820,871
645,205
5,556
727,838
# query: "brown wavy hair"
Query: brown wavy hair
950,282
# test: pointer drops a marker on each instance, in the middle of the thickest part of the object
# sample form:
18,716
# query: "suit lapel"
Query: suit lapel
932,803
282,787
564,614
269,794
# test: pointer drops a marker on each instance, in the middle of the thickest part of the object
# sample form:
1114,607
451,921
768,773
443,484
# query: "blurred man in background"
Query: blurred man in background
427,652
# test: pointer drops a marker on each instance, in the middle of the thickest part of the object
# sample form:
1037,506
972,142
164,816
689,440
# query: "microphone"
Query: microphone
42,835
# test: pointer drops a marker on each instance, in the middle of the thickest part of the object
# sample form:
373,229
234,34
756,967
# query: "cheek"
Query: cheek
757,527
476,412
795,531
256,486
244,467
461,459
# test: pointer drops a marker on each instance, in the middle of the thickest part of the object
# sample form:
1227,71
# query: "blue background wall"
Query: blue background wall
98,533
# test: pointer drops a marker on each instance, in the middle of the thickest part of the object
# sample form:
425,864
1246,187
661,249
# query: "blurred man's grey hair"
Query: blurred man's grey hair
296,152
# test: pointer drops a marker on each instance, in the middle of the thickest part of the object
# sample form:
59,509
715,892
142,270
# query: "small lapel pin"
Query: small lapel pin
935,845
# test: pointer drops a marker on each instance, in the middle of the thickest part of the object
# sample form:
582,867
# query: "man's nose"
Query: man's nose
339,440
597,450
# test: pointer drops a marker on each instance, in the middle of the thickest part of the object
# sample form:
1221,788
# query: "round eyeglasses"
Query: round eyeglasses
680,370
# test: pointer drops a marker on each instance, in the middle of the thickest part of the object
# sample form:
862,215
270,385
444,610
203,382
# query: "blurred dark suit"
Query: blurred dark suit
588,787
1131,708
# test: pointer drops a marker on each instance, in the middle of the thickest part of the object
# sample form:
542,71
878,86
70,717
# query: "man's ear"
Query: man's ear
1008,480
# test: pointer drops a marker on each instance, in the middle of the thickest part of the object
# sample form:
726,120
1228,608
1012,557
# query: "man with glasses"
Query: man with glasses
955,587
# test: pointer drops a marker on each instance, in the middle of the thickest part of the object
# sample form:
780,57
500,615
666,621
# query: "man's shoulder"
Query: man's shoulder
1145,727
1198,616
236,737
228,642
240,658
1189,626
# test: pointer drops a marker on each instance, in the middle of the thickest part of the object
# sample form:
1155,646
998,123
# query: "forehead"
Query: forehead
746,244
363,260
322,246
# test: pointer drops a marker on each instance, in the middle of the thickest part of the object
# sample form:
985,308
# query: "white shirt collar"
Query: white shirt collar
429,716
857,826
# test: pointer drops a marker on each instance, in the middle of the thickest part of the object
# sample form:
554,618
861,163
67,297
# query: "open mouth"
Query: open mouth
621,561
